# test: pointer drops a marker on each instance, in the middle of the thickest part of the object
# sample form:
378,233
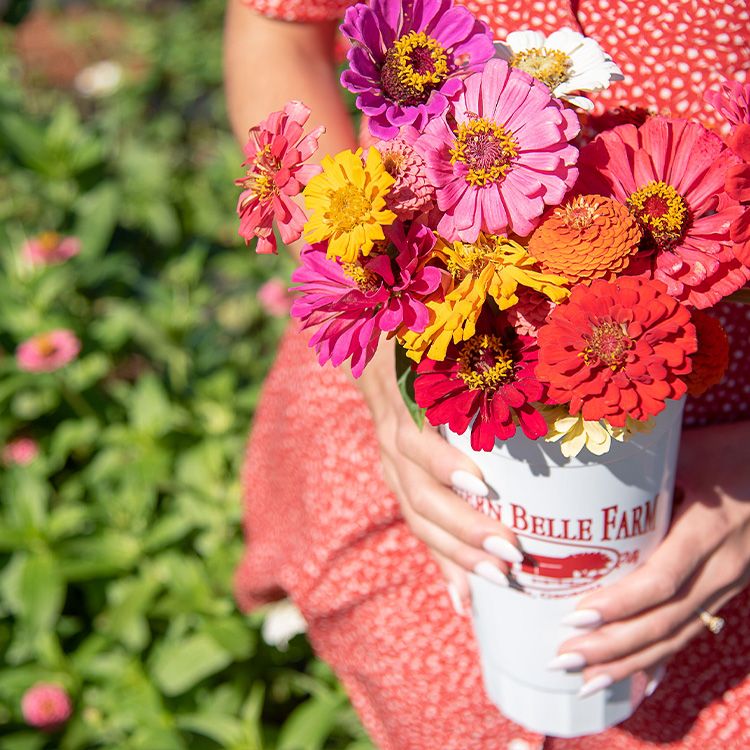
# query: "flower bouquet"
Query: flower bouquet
546,286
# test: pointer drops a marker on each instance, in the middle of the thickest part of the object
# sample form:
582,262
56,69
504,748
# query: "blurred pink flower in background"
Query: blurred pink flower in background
49,351
21,451
50,249
46,706
275,298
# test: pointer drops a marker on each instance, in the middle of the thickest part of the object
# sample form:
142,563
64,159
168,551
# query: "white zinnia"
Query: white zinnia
566,61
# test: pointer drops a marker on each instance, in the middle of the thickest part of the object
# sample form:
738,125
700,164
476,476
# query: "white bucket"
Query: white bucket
583,523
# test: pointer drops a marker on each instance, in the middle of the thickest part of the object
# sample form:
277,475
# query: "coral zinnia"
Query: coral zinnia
411,193
566,61
353,302
711,360
503,156
494,266
276,152
732,102
490,377
348,204
50,249
671,174
616,349
407,59
586,237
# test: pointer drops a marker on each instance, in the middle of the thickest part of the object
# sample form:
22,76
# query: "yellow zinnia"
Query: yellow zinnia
492,265
348,204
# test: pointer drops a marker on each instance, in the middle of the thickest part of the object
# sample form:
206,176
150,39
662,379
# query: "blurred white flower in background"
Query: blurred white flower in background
99,80
282,622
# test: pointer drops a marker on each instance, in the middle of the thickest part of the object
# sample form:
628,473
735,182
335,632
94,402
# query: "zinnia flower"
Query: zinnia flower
21,452
348,204
566,61
671,174
732,102
411,193
488,379
587,237
616,349
711,360
494,266
46,706
47,352
503,156
276,151
352,303
274,298
50,249
407,59
530,313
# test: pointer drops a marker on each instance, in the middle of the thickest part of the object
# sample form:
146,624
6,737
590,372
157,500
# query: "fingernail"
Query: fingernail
654,682
467,482
492,574
503,549
571,660
594,685
458,605
582,618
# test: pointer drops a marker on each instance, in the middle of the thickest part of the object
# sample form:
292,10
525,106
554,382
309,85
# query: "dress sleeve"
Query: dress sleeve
300,10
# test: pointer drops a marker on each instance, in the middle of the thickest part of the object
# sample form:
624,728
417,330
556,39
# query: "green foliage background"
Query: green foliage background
117,545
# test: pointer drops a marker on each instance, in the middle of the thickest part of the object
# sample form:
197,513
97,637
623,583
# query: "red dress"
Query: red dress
323,528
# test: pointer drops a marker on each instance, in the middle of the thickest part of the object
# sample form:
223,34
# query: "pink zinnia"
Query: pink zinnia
502,157
21,452
732,102
671,174
276,173
274,298
530,312
411,193
47,352
488,380
46,706
352,303
50,249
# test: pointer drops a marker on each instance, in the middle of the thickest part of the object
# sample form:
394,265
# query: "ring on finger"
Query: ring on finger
713,622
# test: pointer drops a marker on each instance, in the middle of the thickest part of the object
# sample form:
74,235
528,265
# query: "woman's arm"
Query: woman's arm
268,62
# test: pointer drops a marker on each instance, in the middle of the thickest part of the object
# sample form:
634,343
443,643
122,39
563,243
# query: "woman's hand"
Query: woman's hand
420,467
703,562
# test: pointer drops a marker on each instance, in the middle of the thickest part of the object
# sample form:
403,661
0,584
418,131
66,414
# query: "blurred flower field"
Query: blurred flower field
135,329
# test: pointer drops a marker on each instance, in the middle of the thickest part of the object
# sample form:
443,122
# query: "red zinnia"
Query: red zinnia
711,360
490,376
616,349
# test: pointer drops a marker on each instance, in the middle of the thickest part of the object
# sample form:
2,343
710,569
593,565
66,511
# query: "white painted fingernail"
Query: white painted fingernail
492,574
467,482
571,660
582,618
594,685
458,605
654,682
503,549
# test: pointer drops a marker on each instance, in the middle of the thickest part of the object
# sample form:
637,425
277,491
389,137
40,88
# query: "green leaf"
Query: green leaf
224,729
97,211
405,377
179,665
233,634
24,741
309,725
150,409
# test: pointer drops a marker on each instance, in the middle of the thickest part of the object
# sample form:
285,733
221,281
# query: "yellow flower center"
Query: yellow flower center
662,214
259,180
467,259
45,345
550,66
49,241
349,207
486,148
413,67
393,162
485,363
362,277
579,213
608,343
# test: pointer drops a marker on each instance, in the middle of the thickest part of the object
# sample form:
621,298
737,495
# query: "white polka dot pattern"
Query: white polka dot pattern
323,528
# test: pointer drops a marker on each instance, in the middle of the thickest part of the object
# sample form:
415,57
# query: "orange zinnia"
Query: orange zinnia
711,360
587,237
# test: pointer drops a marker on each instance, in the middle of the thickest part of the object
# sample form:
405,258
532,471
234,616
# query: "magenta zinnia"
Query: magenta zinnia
616,349
352,303
276,151
502,157
489,379
671,174
406,59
